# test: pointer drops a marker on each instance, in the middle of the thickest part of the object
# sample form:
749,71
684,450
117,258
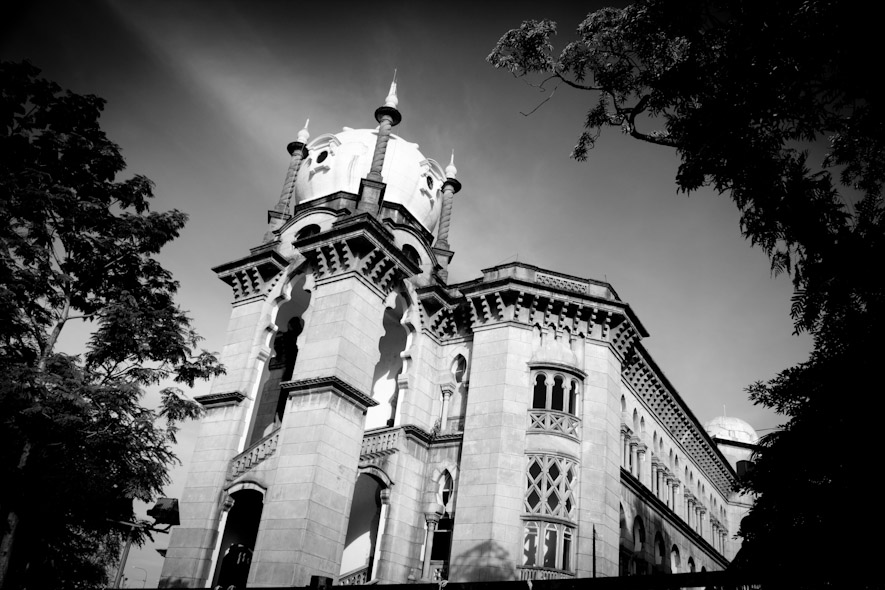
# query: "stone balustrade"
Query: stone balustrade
555,422
381,442
254,455
540,573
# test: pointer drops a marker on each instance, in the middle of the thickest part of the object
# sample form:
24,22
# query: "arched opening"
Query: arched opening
691,566
271,403
307,231
635,422
659,552
639,565
362,529
558,394
442,536
238,541
412,254
674,560
385,389
623,406
458,404
573,399
624,553
539,396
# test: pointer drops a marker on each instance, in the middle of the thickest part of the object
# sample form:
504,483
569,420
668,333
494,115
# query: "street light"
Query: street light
165,511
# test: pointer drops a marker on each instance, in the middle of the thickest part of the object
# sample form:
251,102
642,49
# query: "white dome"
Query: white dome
338,163
733,429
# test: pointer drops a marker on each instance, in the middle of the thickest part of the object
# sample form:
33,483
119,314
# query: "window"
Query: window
559,393
550,486
548,545
550,492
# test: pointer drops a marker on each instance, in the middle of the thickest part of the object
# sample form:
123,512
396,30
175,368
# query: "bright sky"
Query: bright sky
204,96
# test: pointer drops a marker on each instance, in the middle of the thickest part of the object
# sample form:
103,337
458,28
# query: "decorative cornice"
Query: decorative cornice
644,376
331,383
537,365
220,399
358,244
252,277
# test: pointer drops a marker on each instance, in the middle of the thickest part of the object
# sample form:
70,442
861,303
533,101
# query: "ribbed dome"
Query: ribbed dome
338,162
733,429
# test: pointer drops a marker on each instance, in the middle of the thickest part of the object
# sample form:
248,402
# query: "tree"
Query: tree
76,243
772,104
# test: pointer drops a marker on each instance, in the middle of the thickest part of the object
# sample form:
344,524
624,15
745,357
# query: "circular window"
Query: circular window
430,183
322,157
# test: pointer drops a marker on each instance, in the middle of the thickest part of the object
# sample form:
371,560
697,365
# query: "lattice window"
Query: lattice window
551,483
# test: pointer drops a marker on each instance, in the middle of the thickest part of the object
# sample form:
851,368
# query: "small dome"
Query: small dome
338,162
733,429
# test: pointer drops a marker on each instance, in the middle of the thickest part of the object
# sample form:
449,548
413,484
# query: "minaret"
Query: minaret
283,210
372,187
449,188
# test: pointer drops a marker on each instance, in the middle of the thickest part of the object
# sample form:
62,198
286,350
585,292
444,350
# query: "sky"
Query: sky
204,96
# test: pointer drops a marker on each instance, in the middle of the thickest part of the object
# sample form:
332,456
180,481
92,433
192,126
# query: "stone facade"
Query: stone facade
378,424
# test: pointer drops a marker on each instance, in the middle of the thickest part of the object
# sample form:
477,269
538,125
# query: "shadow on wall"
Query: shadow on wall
485,562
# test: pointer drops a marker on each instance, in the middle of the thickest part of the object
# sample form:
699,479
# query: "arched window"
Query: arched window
573,398
635,421
307,231
674,559
691,566
459,367
412,254
623,405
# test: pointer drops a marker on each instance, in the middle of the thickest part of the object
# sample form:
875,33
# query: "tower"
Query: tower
377,423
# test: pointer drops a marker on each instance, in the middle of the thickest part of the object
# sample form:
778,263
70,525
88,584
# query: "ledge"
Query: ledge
323,384
220,399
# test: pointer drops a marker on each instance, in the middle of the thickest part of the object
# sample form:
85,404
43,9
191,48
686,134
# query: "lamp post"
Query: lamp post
164,512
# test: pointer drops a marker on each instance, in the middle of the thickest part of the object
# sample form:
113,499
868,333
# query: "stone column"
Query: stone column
432,517
447,391
382,526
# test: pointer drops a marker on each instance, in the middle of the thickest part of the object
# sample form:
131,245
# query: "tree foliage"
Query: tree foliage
77,243
774,105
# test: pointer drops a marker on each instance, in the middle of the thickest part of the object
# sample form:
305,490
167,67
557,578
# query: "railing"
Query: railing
539,573
380,443
254,455
357,577
553,421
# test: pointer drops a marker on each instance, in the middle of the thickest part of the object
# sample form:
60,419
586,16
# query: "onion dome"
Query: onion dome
338,162
732,429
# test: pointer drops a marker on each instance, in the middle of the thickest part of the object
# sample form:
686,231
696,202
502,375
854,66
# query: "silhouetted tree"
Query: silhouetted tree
744,91
76,445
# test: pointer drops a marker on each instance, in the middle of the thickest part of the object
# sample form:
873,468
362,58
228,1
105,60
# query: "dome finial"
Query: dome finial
304,134
391,100
451,171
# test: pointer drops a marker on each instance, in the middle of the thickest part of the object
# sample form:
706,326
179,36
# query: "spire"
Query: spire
451,171
304,134
391,100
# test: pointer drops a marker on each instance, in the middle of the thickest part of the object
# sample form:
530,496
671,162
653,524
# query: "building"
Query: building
377,423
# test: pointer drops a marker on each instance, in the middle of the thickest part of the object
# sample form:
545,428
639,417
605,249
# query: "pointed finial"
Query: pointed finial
391,100
304,134
451,171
